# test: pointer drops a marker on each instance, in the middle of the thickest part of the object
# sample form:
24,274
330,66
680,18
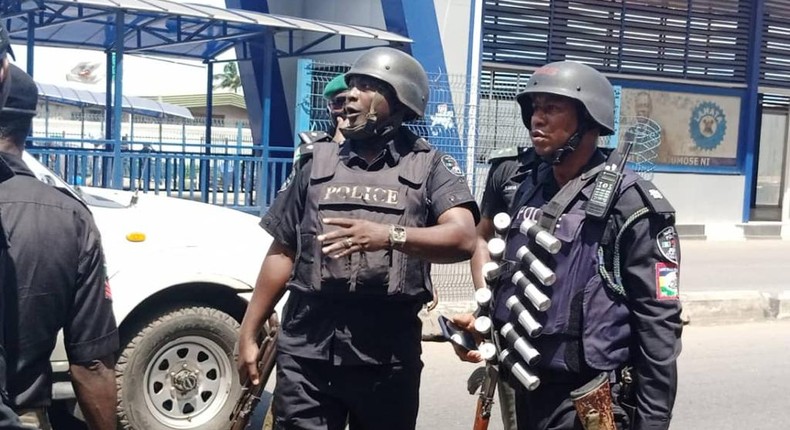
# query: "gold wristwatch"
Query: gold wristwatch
397,236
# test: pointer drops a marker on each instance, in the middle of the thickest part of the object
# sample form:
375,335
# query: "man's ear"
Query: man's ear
3,69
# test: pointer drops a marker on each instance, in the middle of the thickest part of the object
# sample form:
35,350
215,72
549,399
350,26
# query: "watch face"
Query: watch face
397,235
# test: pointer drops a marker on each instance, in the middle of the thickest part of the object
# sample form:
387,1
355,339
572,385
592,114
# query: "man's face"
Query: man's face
643,105
336,105
554,121
362,93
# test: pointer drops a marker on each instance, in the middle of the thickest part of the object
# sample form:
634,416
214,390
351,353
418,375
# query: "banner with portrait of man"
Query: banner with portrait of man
684,129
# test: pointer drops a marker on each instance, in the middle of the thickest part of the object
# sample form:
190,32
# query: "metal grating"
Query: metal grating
775,49
702,39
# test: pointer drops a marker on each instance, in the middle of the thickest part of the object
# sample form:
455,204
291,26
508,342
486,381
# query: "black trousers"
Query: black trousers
316,395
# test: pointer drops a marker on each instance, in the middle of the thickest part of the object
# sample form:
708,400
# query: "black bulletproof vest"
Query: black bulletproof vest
391,196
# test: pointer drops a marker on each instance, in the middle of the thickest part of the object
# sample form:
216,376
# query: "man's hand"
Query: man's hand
247,362
354,235
342,123
466,322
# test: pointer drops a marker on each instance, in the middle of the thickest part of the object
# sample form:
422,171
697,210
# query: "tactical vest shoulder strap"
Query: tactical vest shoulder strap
326,157
416,165
503,154
609,247
553,210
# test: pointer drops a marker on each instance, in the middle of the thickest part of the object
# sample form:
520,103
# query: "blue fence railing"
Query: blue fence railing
224,175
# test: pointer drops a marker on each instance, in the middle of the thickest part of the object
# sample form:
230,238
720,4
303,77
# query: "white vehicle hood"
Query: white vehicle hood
177,232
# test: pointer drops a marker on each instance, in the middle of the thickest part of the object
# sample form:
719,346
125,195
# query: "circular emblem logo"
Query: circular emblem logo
452,166
708,125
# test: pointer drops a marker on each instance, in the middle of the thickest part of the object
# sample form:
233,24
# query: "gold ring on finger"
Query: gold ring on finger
348,242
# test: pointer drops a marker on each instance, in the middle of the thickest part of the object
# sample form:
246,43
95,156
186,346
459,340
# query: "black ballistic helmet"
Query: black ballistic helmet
5,50
401,71
576,81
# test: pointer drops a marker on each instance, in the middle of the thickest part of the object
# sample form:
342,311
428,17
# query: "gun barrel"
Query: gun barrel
545,275
543,238
521,345
535,296
528,379
532,326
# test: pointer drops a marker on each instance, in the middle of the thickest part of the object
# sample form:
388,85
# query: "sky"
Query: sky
143,76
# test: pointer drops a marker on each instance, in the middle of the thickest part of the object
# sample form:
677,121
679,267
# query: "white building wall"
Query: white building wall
715,201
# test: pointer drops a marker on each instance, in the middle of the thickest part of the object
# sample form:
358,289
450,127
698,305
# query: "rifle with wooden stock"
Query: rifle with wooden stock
251,394
486,379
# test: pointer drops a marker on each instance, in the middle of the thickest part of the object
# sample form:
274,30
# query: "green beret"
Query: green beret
336,85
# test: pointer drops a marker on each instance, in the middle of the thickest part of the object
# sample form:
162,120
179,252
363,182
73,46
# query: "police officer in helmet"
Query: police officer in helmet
614,308
355,231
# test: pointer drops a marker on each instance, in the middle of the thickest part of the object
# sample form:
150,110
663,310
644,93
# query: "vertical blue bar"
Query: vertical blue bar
31,41
120,25
266,108
751,106
303,101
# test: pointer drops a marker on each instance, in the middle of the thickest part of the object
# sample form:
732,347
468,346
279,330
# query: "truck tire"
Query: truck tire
179,372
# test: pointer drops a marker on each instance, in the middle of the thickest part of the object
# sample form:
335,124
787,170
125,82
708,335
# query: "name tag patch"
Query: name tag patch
667,287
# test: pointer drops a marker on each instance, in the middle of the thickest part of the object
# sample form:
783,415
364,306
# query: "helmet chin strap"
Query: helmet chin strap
560,154
370,128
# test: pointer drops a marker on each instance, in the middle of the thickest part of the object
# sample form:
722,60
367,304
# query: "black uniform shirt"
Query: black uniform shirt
503,180
60,281
352,330
8,419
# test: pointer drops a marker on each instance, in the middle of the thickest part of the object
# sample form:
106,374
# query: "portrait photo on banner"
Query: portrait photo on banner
679,128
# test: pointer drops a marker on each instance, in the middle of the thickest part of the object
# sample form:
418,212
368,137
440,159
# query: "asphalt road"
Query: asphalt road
746,265
732,377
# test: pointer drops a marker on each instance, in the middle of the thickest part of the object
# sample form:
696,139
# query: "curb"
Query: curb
699,308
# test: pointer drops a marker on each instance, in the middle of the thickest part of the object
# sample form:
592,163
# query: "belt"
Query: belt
34,418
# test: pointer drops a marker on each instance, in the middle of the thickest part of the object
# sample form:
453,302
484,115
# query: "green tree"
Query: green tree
229,78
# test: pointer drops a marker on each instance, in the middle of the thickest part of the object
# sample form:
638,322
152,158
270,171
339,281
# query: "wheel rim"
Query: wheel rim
188,382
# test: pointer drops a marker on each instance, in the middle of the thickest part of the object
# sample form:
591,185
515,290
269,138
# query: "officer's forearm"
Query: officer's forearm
485,230
269,288
453,239
477,261
94,385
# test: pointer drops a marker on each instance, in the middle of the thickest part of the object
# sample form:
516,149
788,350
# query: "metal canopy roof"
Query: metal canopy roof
135,105
163,27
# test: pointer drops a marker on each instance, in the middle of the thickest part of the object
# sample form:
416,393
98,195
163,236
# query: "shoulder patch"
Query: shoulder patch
654,198
451,165
667,241
667,287
509,152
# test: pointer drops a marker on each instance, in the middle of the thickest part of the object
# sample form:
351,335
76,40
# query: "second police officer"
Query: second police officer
355,232
614,305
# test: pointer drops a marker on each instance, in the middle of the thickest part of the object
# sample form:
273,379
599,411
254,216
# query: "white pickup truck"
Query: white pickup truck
181,274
